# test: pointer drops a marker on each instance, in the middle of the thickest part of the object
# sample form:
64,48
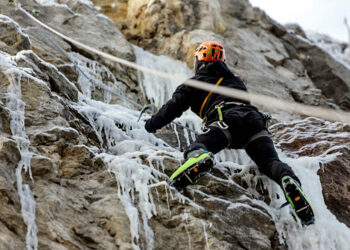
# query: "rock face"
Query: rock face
12,40
329,75
77,171
82,23
77,204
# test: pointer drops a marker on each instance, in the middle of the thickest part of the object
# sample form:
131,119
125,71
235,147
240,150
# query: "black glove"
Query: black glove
149,128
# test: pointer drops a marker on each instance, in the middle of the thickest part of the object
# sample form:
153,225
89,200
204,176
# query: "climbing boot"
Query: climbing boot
198,163
297,199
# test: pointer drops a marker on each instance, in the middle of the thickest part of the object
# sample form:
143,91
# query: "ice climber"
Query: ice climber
229,122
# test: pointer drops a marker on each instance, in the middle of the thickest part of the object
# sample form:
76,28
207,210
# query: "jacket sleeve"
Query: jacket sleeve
178,104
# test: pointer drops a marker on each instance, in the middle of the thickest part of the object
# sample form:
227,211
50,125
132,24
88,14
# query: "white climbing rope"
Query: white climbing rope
267,101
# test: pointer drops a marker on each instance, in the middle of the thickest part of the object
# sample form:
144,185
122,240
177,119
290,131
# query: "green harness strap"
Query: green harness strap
221,122
221,118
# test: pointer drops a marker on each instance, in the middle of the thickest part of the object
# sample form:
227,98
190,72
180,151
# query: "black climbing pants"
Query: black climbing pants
243,124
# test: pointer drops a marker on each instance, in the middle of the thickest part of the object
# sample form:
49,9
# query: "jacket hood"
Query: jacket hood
217,68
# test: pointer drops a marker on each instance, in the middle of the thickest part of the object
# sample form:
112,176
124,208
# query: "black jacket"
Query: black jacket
186,97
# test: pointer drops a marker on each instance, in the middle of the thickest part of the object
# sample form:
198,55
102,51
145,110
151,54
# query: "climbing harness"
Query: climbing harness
220,124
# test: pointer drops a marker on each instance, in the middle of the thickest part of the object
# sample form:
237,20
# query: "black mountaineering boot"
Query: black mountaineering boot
198,163
298,200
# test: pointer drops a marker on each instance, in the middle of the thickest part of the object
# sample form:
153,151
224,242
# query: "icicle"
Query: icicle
156,89
187,137
206,236
17,113
159,90
185,217
177,136
98,73
348,29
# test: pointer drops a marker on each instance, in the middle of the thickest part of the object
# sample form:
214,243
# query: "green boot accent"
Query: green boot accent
297,199
199,162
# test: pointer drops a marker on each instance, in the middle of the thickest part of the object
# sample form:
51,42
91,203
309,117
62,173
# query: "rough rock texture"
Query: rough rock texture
77,201
313,137
329,75
12,41
82,201
79,21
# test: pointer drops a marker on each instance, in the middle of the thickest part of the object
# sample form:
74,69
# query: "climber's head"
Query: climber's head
209,52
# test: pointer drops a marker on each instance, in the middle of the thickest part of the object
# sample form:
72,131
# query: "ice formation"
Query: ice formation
123,141
16,107
98,72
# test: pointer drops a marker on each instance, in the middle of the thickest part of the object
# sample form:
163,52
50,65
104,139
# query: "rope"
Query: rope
267,101
99,85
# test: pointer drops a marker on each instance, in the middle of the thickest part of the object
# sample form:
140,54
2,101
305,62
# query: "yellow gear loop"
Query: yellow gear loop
221,122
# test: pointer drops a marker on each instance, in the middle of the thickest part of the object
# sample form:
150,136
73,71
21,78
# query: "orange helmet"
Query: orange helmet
210,51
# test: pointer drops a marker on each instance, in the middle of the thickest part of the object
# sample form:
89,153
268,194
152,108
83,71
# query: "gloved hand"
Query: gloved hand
149,128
